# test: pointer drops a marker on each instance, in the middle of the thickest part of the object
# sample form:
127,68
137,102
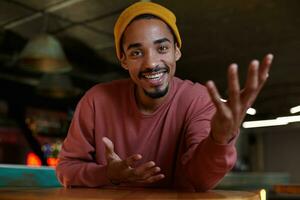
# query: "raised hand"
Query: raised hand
229,115
121,171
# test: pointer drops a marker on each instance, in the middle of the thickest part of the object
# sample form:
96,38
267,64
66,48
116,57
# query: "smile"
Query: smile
154,76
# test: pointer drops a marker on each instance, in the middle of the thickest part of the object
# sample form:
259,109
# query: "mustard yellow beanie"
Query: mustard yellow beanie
140,8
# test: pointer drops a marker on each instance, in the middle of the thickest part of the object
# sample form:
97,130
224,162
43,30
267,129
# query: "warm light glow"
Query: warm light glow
52,162
295,109
251,111
223,100
263,123
33,160
272,122
263,194
295,118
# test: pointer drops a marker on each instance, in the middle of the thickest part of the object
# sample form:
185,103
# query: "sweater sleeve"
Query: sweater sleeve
77,165
206,161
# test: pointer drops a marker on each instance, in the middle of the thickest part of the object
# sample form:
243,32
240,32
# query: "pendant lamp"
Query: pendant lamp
57,86
44,54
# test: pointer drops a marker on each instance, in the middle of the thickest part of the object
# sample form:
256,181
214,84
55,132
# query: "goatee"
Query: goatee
158,93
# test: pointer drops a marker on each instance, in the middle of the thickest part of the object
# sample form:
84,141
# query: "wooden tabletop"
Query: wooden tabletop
287,189
125,194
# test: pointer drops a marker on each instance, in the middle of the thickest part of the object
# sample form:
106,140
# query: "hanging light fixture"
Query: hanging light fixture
57,86
44,54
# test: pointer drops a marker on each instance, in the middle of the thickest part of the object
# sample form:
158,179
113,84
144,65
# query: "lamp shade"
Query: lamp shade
44,54
57,86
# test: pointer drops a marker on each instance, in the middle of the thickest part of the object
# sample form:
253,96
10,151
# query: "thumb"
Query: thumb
109,150
109,146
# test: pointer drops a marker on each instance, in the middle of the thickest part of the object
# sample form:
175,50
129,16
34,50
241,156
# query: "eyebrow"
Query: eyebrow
159,41
134,45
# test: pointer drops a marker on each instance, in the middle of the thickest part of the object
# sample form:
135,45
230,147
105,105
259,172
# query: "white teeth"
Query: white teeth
154,76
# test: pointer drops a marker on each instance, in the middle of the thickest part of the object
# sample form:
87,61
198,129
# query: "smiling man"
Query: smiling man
149,53
154,129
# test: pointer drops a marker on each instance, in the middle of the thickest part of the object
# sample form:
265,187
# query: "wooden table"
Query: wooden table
287,189
126,194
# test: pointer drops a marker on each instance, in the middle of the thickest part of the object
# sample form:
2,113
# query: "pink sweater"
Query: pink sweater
175,137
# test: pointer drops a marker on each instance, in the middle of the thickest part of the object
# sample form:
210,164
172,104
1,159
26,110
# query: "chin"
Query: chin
157,93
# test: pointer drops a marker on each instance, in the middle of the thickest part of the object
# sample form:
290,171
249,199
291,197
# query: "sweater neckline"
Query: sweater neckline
172,89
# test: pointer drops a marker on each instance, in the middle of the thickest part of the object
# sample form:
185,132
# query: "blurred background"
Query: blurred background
52,51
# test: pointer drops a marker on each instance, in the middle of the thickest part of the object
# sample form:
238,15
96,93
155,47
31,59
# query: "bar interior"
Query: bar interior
53,51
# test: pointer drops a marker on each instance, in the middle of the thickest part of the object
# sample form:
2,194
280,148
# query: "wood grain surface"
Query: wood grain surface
287,189
125,194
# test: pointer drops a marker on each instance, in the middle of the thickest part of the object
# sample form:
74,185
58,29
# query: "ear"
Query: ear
123,61
177,53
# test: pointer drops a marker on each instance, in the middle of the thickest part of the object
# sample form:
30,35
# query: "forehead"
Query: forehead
142,30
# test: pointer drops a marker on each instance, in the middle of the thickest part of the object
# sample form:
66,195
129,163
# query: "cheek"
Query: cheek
173,70
133,71
171,62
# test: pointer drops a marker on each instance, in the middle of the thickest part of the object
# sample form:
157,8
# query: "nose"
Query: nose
151,60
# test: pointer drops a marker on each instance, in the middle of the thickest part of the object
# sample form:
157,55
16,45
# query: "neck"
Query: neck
146,104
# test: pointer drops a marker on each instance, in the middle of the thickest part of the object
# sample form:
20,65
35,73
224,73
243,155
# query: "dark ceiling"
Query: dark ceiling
215,33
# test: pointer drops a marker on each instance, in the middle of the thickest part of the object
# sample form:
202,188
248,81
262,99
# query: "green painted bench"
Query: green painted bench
24,176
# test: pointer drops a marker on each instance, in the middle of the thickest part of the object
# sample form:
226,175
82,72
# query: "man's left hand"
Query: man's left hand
229,115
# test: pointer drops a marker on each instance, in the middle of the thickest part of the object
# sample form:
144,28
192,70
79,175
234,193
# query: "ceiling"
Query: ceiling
215,33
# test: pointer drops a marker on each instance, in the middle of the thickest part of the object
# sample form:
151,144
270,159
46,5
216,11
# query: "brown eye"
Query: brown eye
163,49
135,53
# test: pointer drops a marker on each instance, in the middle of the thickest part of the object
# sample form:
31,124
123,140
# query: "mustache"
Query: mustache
164,68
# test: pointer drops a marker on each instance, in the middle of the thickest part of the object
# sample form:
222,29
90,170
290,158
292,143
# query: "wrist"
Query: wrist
219,140
114,182
113,179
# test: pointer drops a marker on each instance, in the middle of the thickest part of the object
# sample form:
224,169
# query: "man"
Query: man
155,130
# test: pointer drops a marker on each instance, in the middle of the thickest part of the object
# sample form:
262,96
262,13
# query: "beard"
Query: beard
157,93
